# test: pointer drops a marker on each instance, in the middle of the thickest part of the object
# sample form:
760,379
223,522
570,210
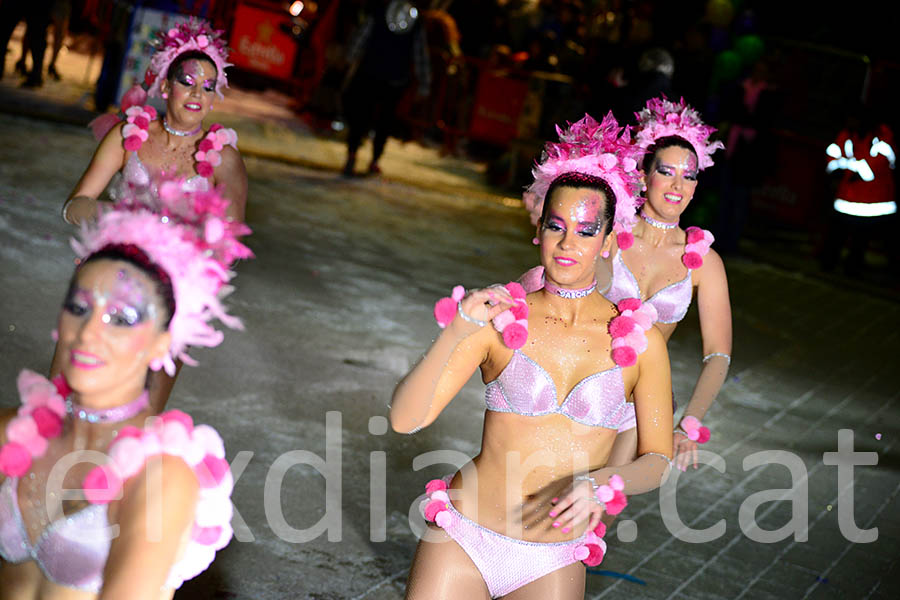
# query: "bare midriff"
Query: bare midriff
525,461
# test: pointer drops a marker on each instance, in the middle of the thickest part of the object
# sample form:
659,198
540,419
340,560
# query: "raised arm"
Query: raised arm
155,518
233,175
715,326
108,159
436,379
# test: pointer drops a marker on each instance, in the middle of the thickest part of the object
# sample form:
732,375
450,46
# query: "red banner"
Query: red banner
258,43
498,104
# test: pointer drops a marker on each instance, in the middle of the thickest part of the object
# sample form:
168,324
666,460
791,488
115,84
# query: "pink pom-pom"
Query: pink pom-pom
581,553
214,158
621,326
442,519
604,493
433,508
600,529
202,41
435,485
206,536
101,485
629,164
441,495
617,504
520,310
692,260
15,460
444,311
533,279
215,127
142,122
694,235
690,423
458,293
515,335
49,424
617,483
703,435
693,435
503,320
205,145
151,112
209,439
211,471
177,416
132,143
24,431
629,304
127,454
173,33
596,552
607,161
625,240
204,169
129,431
636,340
214,510
624,356
643,320
515,290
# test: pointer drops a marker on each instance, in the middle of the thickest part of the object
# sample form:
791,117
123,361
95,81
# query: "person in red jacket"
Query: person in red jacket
862,159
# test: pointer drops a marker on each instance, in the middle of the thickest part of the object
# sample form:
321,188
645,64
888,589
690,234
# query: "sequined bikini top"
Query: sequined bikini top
525,388
671,302
136,174
72,551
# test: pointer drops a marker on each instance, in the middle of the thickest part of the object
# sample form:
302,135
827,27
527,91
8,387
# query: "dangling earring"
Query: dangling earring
535,241
605,254
165,96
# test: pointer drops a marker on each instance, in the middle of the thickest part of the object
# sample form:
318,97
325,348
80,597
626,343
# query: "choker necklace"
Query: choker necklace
570,294
180,133
108,415
650,221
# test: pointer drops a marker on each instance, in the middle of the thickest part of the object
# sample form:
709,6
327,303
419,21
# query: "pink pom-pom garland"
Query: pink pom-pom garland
628,330
512,323
436,506
174,433
697,246
592,551
694,429
38,420
169,227
185,37
662,118
209,152
602,150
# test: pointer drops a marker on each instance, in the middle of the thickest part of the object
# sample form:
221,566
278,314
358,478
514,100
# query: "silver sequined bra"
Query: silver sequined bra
71,552
525,388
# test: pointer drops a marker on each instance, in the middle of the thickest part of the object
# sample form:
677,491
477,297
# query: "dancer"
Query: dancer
187,70
527,509
153,511
663,263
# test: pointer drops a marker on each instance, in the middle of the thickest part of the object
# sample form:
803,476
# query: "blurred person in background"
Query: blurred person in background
36,14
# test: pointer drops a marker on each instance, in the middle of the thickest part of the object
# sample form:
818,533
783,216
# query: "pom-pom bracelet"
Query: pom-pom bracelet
727,357
512,323
694,430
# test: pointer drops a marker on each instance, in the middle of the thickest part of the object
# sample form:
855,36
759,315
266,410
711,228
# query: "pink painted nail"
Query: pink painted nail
553,514
565,530
556,523
554,500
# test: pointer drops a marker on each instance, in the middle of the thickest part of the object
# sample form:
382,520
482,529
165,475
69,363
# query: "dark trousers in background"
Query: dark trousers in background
36,14
861,231
370,103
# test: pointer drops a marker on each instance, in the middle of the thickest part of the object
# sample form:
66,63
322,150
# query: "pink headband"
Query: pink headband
195,35
188,236
603,150
662,118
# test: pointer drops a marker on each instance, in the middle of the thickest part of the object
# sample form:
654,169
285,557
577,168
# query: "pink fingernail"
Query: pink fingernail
556,523
554,500
553,514
565,530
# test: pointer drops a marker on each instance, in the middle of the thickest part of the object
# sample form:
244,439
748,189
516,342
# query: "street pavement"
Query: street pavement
337,307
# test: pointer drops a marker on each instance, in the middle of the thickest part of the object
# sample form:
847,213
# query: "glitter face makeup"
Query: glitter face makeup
671,183
109,327
191,89
572,236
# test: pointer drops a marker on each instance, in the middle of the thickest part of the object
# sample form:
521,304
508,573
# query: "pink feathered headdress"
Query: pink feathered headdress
602,150
195,35
662,117
187,235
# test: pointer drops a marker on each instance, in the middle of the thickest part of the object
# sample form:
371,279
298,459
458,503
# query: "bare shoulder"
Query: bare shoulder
712,270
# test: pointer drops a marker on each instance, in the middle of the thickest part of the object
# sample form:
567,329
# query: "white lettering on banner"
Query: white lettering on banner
264,53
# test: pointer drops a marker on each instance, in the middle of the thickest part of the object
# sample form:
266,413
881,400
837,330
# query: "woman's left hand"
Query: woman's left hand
684,450
576,503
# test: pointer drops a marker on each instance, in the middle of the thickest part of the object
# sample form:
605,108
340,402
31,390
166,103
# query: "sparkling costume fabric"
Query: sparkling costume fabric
136,174
506,563
525,388
71,552
671,302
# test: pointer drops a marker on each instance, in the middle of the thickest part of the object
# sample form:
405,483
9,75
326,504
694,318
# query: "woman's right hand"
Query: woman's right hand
480,305
80,209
